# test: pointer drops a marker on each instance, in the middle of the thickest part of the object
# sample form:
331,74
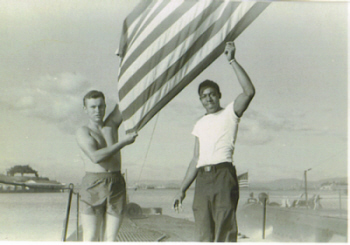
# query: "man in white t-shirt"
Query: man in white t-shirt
216,193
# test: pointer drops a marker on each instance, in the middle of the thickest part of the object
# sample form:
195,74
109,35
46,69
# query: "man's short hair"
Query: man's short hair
93,94
209,83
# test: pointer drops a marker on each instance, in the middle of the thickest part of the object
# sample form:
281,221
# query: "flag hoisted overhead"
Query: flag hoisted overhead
165,44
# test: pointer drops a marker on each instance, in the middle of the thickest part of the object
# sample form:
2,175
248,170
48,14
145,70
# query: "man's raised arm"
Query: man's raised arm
115,117
242,101
89,145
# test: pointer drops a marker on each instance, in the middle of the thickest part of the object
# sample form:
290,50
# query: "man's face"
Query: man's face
210,99
95,108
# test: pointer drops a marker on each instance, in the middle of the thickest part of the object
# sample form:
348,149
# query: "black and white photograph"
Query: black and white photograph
174,121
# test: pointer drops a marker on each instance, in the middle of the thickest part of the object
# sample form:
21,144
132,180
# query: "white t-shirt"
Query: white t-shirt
217,134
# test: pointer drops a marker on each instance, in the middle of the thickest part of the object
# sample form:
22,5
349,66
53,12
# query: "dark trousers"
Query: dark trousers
215,204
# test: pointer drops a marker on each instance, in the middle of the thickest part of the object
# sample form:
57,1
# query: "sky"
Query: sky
53,52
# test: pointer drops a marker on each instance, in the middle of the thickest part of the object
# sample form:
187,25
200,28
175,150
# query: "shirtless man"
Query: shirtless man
103,193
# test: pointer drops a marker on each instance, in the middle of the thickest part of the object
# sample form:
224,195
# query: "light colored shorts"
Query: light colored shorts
102,193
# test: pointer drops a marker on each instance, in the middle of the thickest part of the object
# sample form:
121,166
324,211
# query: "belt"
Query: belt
213,168
104,173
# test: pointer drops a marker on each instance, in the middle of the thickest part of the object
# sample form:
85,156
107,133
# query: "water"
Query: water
32,216
164,198
40,216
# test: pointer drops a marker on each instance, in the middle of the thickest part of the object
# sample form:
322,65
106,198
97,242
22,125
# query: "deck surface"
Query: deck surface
151,228
163,228
130,232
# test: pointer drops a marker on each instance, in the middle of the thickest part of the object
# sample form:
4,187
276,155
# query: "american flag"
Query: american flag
165,44
243,180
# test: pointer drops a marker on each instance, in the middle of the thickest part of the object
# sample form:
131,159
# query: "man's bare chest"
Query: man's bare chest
105,137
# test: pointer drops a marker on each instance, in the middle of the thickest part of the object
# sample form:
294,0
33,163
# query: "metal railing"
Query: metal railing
264,218
66,220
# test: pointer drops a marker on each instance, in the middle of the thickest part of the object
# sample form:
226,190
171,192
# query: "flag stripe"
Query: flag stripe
130,20
159,26
243,176
158,56
151,54
249,17
153,15
166,44
149,23
197,46
164,26
243,180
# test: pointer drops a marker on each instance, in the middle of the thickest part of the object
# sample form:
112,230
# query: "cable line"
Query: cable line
149,146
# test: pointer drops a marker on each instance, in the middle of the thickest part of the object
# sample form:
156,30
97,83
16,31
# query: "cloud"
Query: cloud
258,128
55,99
25,102
64,83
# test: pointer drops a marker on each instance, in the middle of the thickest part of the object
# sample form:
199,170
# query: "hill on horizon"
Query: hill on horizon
282,184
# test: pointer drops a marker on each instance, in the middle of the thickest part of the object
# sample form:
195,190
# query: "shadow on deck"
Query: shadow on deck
129,232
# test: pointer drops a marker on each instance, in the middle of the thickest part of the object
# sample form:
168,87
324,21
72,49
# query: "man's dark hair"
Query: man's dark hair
93,94
209,83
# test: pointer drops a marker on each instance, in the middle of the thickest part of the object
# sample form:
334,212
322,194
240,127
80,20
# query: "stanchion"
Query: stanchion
264,219
65,225
77,216
340,208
